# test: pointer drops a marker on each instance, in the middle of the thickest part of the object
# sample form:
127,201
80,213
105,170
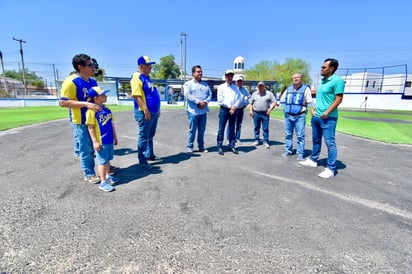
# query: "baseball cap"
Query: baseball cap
96,91
238,77
261,83
144,60
229,71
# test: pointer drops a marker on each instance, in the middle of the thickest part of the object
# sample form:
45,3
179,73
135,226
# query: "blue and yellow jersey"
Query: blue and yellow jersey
75,88
102,121
143,86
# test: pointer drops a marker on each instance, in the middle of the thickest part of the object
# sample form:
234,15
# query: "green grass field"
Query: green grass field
385,126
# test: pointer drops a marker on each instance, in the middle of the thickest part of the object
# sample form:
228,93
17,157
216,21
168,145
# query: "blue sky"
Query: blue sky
358,33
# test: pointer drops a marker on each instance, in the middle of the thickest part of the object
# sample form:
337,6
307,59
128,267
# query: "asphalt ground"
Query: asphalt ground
255,212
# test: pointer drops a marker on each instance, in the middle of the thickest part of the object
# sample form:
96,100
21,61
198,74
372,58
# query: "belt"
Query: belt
224,108
296,114
261,112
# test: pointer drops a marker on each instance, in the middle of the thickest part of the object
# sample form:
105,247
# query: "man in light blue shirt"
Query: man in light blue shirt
198,95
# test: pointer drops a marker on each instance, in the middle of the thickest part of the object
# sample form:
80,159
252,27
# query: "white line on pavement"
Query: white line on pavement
348,198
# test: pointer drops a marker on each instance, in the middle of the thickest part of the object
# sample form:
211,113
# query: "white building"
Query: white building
14,87
378,91
366,82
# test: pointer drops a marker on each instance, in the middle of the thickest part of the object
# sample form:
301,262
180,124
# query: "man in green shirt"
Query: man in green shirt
325,117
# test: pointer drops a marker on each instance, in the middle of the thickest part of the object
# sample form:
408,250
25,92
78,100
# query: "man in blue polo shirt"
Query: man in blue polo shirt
325,116
146,110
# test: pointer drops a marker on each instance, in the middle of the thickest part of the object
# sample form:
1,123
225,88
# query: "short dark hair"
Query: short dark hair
332,63
80,59
195,67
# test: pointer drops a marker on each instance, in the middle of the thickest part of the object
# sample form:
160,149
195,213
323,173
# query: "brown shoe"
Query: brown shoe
92,179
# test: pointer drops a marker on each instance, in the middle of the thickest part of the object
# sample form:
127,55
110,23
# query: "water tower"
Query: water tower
239,65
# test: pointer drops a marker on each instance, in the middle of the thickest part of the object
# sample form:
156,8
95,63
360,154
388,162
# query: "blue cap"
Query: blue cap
144,60
96,91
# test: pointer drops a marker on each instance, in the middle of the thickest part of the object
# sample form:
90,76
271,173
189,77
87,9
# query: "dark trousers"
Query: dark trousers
224,117
238,123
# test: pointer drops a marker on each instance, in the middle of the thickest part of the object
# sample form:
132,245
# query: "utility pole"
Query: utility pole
184,67
22,61
4,76
181,59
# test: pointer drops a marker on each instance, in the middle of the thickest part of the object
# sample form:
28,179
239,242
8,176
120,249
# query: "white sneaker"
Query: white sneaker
327,173
266,145
308,162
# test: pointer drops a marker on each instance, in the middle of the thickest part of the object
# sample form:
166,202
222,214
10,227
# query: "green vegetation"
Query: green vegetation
22,116
31,77
270,70
386,126
166,69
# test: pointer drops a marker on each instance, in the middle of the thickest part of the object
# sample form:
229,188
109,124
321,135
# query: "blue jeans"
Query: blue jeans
238,123
295,123
260,118
326,128
147,131
75,142
196,123
105,155
85,149
224,117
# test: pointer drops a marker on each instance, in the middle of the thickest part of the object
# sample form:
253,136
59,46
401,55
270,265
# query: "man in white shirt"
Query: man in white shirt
229,99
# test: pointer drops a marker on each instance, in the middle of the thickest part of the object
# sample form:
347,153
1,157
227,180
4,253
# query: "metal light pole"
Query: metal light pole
22,61
184,67
181,58
4,76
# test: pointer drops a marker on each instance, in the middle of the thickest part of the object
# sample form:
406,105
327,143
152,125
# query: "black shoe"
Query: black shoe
220,151
234,150
154,158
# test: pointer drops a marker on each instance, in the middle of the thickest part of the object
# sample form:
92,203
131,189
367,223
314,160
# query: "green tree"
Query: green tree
282,73
264,70
13,74
291,66
39,84
101,75
31,77
166,69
